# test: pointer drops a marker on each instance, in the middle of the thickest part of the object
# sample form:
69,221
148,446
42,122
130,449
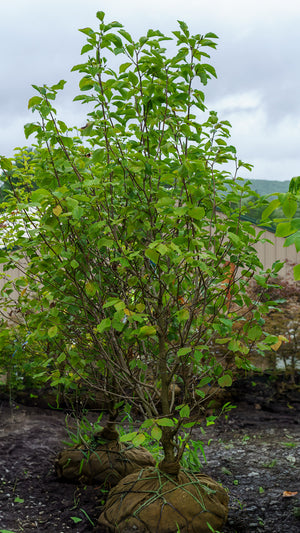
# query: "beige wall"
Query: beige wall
268,253
9,274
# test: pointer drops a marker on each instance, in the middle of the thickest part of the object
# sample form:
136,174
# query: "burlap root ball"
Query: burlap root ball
151,501
106,465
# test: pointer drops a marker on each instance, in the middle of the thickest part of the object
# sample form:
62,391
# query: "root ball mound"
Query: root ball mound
107,464
151,501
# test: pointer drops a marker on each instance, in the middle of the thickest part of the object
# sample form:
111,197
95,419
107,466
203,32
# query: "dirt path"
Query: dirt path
255,453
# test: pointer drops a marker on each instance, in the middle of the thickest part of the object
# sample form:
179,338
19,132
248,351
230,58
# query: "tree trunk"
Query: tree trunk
167,432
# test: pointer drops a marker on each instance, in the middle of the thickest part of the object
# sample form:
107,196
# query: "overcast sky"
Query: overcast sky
257,62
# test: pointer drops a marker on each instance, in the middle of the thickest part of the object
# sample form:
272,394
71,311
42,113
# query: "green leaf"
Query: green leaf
223,340
293,239
189,425
18,500
90,288
197,213
162,248
86,48
40,194
225,381
118,323
61,358
184,412
87,31
289,206
58,86
124,67
105,242
294,185
184,27
128,437
204,381
52,332
234,238
77,213
269,210
147,331
254,333
97,156
30,128
211,36
297,272
233,345
100,15
147,423
260,280
86,83
139,439
184,351
283,229
104,325
76,520
5,164
111,302
66,141
183,315
153,255
156,433
126,35
35,100
240,363
165,422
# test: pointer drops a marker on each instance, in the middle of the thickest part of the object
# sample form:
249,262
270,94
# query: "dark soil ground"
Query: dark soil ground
255,453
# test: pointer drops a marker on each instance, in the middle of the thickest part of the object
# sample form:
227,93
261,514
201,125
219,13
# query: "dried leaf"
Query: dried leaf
288,494
281,339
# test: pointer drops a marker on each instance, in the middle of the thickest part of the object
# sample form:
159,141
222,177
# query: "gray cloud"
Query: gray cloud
256,61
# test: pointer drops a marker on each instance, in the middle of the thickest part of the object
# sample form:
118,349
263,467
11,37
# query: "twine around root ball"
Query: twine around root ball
153,501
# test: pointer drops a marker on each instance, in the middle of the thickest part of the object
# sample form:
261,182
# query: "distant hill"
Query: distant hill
263,187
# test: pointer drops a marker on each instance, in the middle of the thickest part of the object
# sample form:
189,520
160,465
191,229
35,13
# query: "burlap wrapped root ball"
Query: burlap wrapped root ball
105,465
151,501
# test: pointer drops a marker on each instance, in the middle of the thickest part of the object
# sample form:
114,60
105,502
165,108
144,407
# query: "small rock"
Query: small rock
291,459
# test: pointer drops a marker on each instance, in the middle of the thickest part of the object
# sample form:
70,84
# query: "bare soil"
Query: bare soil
254,452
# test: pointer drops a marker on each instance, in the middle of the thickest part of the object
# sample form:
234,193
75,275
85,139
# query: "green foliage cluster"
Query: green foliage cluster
137,259
268,210
284,211
264,191
10,179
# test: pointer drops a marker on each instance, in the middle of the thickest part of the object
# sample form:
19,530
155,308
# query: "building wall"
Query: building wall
8,275
269,252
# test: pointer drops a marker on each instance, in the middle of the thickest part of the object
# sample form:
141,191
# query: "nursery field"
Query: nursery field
254,453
